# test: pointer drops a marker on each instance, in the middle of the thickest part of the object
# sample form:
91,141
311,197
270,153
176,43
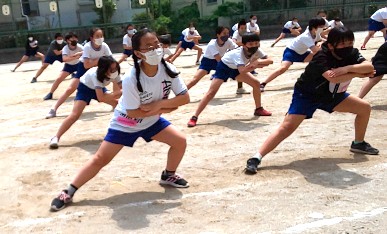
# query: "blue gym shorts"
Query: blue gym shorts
305,105
52,59
374,25
70,68
223,72
85,93
208,64
128,139
292,56
128,52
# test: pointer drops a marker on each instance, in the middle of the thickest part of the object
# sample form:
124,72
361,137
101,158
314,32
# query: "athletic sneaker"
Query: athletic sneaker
48,97
60,202
261,112
272,45
192,122
363,148
54,143
51,114
34,80
197,63
363,48
242,91
173,180
262,87
252,165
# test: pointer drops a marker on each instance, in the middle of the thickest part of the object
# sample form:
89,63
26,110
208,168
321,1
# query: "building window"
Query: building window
212,1
30,7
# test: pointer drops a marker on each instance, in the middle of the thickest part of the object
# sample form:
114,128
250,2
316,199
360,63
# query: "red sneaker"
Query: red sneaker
261,112
192,122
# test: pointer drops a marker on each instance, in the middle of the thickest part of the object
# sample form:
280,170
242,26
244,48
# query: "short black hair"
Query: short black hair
242,22
341,34
165,39
70,35
294,18
220,29
321,11
316,22
337,19
58,35
250,37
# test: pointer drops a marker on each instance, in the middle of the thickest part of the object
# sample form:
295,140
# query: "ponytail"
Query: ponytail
170,73
138,70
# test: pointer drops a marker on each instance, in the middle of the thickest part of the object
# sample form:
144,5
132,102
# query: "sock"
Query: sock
258,156
169,172
357,142
71,190
263,84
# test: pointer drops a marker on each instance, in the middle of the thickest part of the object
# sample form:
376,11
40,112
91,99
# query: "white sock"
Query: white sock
258,155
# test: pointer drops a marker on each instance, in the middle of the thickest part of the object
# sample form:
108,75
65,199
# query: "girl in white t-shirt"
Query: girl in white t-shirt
237,64
190,39
92,86
145,92
127,42
291,27
92,51
215,50
252,26
70,56
377,22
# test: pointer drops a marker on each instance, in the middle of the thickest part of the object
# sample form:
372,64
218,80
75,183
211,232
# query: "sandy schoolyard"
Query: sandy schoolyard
310,184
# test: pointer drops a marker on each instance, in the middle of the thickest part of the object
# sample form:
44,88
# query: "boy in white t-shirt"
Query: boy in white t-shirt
301,49
237,64
336,23
291,27
377,22
166,41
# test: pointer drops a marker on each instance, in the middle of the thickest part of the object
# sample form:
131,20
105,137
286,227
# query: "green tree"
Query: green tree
105,13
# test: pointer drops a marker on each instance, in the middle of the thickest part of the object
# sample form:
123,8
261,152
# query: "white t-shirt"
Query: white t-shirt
213,48
254,28
236,58
186,33
290,24
302,43
234,27
90,79
380,15
333,24
154,89
90,53
126,40
69,52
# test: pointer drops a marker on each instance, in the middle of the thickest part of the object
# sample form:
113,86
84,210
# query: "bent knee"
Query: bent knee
99,161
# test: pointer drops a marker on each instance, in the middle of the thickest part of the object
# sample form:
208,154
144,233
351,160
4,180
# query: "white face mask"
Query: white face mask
153,57
113,75
192,29
30,38
59,42
254,21
99,41
319,30
131,31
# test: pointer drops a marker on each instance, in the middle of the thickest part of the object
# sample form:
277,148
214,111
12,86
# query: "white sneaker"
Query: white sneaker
54,143
51,114
242,91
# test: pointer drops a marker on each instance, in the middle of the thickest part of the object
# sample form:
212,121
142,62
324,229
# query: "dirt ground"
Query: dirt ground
311,183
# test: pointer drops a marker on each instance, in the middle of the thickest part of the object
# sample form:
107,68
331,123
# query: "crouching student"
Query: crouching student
237,64
145,92
323,86
92,86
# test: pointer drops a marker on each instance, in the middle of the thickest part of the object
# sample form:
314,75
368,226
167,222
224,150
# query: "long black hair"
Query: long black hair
104,64
136,43
92,32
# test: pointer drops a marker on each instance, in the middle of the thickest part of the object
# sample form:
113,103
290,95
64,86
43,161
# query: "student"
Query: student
336,23
324,34
190,37
145,92
54,53
237,39
31,50
379,61
237,64
252,26
301,49
216,48
323,86
70,55
92,86
127,43
377,22
166,41
291,27
92,51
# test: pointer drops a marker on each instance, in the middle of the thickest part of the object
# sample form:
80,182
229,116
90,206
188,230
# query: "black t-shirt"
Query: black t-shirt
32,46
380,60
312,84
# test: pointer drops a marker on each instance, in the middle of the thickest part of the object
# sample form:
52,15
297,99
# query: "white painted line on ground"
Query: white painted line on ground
328,222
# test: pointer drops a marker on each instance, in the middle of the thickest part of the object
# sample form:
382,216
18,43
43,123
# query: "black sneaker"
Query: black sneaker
252,165
363,148
34,80
48,97
60,202
173,180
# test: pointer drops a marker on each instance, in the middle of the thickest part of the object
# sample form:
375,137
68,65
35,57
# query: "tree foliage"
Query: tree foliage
109,6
